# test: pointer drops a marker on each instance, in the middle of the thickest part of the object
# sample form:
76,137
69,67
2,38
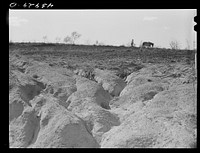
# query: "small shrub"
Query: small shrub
174,45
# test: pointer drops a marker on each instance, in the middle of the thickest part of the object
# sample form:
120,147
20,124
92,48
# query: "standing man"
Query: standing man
132,43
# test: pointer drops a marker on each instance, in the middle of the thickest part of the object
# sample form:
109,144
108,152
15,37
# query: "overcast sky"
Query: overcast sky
112,27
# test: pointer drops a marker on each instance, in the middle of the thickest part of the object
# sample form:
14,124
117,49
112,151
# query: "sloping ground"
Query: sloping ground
154,114
54,107
89,89
110,82
60,128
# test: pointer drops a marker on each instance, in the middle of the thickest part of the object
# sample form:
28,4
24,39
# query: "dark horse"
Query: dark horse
147,44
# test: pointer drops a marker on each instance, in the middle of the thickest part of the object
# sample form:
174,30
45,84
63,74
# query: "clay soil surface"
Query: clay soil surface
78,96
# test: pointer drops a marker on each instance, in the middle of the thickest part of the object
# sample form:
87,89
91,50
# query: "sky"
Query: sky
111,27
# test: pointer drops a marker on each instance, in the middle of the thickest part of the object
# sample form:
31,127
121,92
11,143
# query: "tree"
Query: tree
71,39
74,36
45,38
68,39
174,45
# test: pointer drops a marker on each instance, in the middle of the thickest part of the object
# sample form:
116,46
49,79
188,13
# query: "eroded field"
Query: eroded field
63,96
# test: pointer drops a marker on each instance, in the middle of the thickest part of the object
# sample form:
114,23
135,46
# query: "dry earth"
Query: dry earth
98,97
